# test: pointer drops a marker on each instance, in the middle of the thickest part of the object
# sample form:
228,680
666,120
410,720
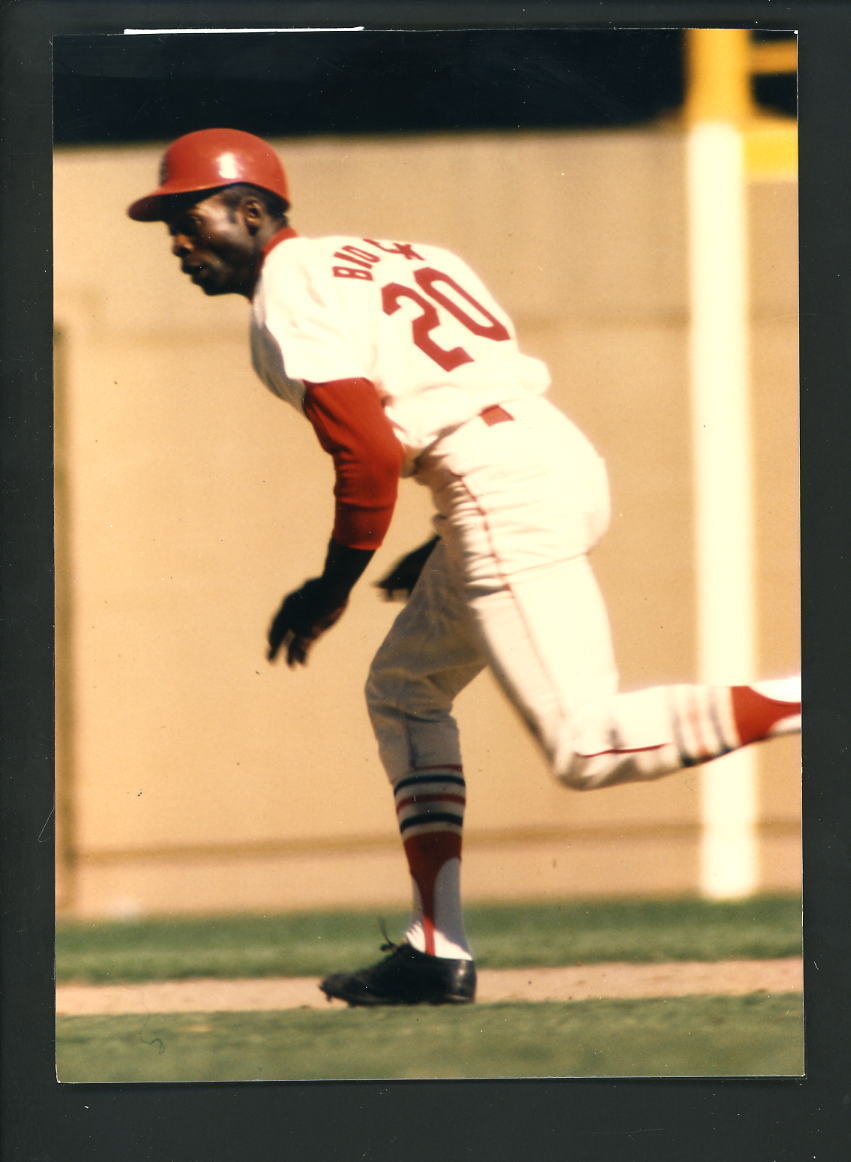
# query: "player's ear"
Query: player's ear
253,214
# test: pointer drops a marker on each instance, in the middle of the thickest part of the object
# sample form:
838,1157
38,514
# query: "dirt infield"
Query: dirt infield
574,983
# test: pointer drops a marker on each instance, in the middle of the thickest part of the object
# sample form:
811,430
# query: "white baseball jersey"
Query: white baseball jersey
413,319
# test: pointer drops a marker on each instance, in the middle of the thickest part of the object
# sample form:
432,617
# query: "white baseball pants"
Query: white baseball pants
520,503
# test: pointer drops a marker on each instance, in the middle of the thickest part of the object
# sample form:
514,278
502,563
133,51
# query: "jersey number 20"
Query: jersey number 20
429,281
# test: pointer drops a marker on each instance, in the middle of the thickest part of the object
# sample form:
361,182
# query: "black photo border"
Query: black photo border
750,1120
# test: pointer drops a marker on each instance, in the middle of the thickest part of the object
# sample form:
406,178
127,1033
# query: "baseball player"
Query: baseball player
405,365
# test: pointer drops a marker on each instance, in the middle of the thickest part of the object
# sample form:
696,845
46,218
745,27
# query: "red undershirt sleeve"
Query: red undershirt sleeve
351,426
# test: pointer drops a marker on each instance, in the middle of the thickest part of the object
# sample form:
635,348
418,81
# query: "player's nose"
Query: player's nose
180,246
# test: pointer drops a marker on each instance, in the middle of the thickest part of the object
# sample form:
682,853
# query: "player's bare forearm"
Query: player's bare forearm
401,579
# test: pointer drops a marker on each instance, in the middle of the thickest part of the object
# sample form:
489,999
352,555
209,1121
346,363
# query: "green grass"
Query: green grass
502,936
688,1036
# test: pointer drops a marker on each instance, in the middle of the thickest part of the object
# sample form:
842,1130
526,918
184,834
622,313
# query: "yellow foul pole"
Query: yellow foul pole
717,108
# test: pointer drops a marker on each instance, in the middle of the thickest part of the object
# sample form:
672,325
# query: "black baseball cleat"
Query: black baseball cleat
405,977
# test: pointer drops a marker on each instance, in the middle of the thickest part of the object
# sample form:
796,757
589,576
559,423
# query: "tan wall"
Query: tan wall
192,774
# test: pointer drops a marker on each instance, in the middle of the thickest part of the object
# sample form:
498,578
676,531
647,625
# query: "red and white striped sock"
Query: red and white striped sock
709,721
430,809
653,732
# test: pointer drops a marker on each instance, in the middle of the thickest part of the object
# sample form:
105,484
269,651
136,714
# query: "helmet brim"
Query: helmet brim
152,207
147,209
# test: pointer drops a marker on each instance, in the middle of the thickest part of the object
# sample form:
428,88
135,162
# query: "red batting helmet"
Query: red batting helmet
207,160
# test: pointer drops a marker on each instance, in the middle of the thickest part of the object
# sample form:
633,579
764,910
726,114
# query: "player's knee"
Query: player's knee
581,772
388,695
587,772
374,691
389,691
573,772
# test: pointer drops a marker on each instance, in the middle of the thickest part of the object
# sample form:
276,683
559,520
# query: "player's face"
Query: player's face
215,245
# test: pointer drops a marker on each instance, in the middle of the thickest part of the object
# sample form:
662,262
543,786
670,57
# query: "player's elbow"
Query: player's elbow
385,465
371,478
365,501
380,475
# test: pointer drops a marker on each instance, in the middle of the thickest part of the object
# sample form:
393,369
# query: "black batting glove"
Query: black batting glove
406,572
306,613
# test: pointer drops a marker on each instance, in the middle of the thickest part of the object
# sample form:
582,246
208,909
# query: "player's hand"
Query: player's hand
402,578
305,615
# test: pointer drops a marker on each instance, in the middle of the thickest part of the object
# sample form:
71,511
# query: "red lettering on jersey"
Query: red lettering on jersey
422,325
404,248
490,328
351,272
355,254
428,280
